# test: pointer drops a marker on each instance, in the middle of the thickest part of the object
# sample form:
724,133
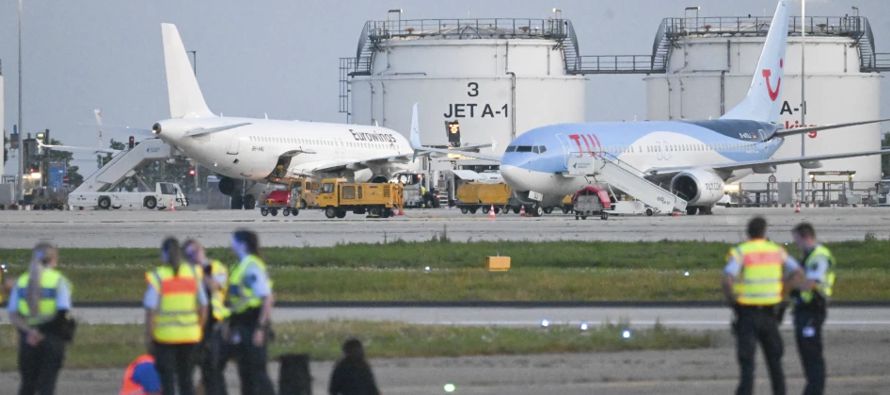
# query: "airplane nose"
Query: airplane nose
515,176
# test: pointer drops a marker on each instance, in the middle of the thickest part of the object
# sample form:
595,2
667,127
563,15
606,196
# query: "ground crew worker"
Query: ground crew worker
811,305
212,360
352,374
175,311
753,283
141,377
250,299
40,300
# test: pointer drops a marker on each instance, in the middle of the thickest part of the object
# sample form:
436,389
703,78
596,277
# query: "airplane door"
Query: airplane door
565,145
233,145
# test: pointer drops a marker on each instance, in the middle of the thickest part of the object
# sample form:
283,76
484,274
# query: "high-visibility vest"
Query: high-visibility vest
218,297
760,280
240,294
46,306
825,287
177,320
130,387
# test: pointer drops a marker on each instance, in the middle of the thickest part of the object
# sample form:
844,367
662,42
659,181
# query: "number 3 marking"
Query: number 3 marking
473,89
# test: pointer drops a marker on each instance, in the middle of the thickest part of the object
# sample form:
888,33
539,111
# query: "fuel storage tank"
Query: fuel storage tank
711,61
491,79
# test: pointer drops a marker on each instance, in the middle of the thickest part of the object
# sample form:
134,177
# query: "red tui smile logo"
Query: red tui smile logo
767,73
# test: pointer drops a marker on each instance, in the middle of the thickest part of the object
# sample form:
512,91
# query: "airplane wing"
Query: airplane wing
71,148
808,129
811,161
328,166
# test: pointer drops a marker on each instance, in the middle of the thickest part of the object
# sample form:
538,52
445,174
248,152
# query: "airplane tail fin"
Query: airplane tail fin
186,100
414,137
762,103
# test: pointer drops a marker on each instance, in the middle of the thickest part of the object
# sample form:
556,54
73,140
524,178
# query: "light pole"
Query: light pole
803,98
20,190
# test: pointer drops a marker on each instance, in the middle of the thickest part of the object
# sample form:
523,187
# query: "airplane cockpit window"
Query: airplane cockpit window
539,149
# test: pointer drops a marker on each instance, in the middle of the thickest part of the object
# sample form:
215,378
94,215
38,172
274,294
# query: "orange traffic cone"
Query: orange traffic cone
173,205
491,213
401,211
522,211
675,213
797,207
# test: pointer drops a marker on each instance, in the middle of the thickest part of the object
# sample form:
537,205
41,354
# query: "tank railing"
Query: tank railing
572,53
615,64
468,28
852,26
882,61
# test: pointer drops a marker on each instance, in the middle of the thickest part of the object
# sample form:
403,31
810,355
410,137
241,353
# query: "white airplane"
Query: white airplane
693,159
263,150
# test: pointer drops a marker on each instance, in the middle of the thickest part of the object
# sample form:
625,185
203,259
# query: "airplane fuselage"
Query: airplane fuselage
537,160
253,151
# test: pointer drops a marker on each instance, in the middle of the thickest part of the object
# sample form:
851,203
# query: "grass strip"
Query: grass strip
546,271
114,346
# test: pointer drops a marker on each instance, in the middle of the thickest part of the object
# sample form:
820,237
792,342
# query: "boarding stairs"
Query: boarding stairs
608,169
123,165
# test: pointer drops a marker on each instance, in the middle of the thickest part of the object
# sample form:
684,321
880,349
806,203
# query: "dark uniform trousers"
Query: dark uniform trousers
808,320
251,359
175,364
39,366
756,324
214,355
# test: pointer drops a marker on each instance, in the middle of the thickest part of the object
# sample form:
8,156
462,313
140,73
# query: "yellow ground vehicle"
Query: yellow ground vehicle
472,196
308,190
337,197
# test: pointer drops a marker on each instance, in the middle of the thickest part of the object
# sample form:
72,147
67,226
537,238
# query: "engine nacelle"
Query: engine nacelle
698,187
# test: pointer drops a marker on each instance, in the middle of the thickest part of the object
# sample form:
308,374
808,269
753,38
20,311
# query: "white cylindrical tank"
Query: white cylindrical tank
708,74
497,81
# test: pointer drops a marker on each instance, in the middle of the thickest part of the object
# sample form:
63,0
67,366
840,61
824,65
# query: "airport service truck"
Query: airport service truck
164,195
473,196
337,197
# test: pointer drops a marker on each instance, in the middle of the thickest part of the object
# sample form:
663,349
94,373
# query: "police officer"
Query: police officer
811,305
753,283
250,299
175,311
40,300
213,354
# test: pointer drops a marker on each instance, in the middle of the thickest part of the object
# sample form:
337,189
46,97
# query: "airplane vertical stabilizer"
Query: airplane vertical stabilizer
186,100
763,100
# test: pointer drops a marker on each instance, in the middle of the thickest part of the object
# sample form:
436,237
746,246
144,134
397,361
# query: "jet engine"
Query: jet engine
699,187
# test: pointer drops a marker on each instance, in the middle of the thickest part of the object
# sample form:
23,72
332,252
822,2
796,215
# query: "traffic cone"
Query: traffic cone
401,211
491,214
522,211
675,213
797,208
173,206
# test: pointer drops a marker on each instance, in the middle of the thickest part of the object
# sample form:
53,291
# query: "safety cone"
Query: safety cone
522,211
173,206
675,213
797,208
401,211
491,213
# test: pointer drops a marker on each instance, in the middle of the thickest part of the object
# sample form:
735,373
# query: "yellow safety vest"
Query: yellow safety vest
240,294
218,297
46,306
760,280
177,320
824,288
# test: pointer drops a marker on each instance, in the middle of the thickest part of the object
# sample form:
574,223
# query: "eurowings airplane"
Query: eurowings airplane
264,150
693,159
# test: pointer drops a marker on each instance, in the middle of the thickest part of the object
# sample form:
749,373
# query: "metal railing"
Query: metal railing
615,64
347,66
467,28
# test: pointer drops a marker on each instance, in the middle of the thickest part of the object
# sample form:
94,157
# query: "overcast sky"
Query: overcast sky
280,57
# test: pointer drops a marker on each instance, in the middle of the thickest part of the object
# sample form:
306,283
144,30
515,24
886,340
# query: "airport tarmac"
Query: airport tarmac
692,318
857,364
73,229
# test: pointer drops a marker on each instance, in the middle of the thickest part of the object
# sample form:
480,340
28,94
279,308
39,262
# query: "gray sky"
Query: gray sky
280,56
